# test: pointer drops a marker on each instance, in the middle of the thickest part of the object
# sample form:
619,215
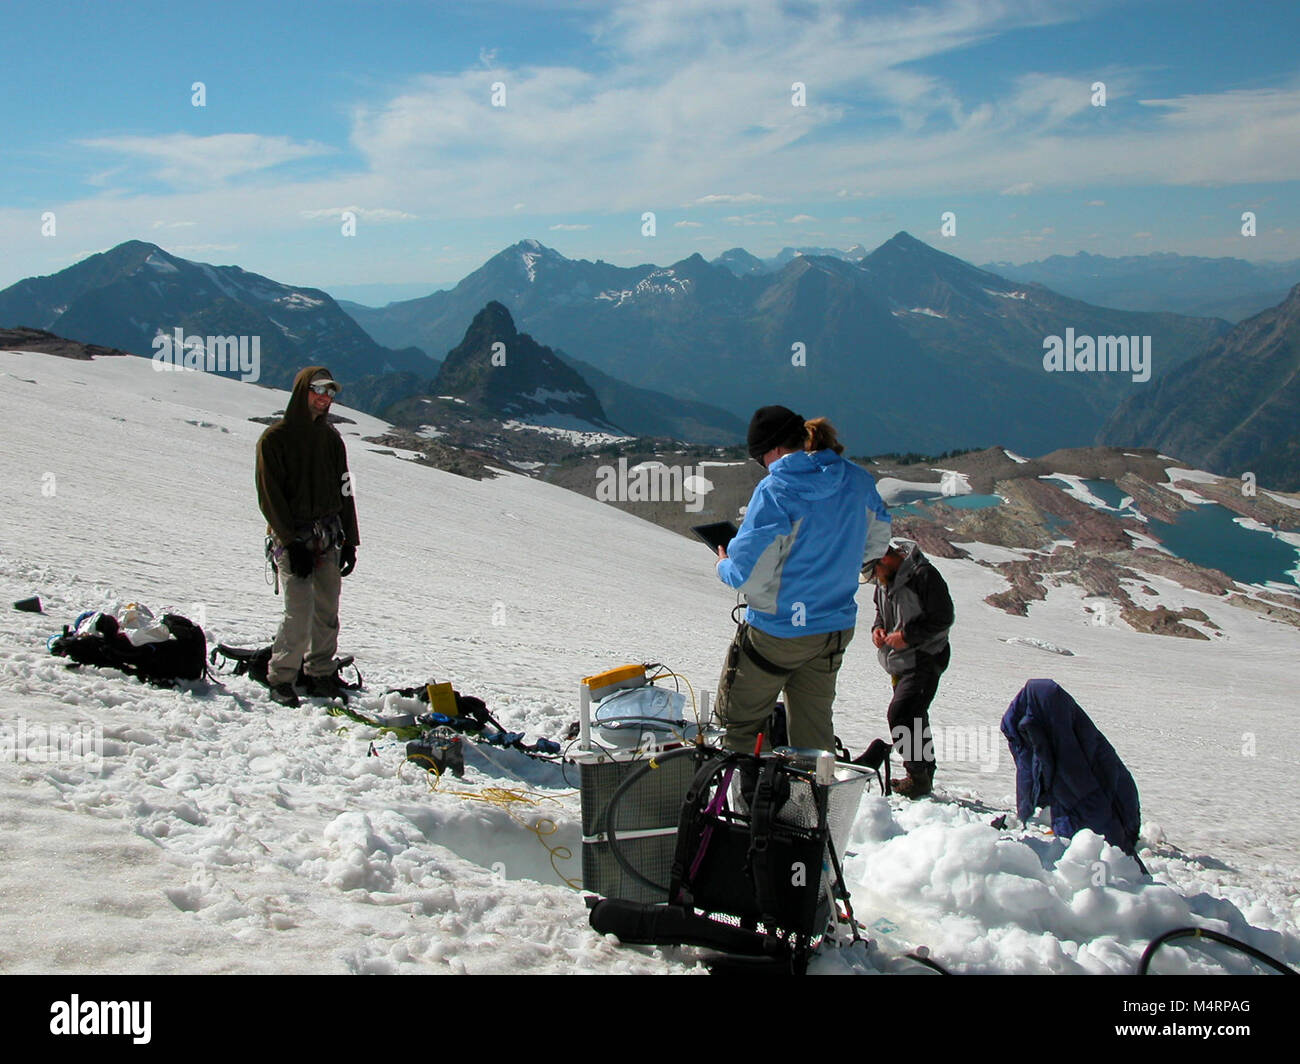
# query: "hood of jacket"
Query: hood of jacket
808,475
297,414
912,560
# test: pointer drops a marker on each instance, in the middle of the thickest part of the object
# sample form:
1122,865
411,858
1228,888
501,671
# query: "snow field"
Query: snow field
224,833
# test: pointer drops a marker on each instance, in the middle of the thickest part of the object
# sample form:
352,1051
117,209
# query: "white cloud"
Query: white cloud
370,214
688,225
569,228
692,96
188,161
729,197
799,218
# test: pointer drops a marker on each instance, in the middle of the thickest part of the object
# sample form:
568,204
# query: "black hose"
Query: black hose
1202,932
612,808
928,963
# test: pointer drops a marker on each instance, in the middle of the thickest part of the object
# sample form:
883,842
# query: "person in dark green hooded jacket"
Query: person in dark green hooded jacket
305,492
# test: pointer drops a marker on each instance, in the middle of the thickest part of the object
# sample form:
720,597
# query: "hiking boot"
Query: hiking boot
325,687
919,782
284,694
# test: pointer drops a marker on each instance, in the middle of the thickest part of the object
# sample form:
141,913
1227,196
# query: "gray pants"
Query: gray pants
747,693
309,632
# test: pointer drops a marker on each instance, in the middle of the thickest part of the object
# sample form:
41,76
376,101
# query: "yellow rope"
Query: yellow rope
505,799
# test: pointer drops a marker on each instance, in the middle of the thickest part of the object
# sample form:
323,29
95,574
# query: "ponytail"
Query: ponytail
820,436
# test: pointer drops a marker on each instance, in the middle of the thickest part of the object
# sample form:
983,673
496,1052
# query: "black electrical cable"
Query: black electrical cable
1203,932
611,810
928,963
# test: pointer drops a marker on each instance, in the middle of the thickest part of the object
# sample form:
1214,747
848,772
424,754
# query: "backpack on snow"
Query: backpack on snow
97,639
255,663
768,860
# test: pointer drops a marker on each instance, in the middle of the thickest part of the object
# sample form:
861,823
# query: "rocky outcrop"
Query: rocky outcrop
1164,621
932,538
1189,575
1272,609
47,343
1159,504
1026,587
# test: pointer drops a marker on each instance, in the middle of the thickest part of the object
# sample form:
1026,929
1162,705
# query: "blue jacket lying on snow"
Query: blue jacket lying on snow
1063,761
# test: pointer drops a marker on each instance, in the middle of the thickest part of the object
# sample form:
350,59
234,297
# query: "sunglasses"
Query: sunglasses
325,389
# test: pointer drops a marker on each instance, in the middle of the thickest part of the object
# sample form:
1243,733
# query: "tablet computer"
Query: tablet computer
716,535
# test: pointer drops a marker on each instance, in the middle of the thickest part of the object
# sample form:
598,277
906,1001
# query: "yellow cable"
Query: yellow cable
695,709
506,799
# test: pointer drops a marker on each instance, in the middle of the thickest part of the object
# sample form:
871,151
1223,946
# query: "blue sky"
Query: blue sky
683,108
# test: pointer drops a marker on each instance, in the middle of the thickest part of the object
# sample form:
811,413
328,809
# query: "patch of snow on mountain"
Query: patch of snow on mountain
299,301
1285,500
284,329
223,286
1015,457
1196,476
698,485
160,264
548,395
951,482
896,492
577,431
1075,487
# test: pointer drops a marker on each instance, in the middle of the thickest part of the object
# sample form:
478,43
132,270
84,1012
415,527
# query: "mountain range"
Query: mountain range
907,348
1234,409
134,293
1181,284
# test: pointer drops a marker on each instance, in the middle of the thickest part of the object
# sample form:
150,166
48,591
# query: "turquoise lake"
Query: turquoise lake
1206,535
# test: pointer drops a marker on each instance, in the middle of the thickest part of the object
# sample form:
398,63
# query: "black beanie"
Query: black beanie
772,426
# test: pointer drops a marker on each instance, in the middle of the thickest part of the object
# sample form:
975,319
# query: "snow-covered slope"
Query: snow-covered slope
221,832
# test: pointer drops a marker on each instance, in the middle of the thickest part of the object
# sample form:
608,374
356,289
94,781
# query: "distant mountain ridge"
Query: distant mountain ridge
127,296
1232,411
743,264
906,348
1229,288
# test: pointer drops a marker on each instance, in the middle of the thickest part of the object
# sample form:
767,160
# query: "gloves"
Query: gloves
347,558
302,560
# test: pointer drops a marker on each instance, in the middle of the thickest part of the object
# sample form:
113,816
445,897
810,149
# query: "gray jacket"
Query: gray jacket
918,602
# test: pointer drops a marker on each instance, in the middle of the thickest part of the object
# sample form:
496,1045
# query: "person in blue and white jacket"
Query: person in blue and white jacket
810,526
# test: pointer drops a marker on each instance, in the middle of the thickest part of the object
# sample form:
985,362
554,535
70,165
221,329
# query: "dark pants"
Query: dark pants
909,714
747,693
